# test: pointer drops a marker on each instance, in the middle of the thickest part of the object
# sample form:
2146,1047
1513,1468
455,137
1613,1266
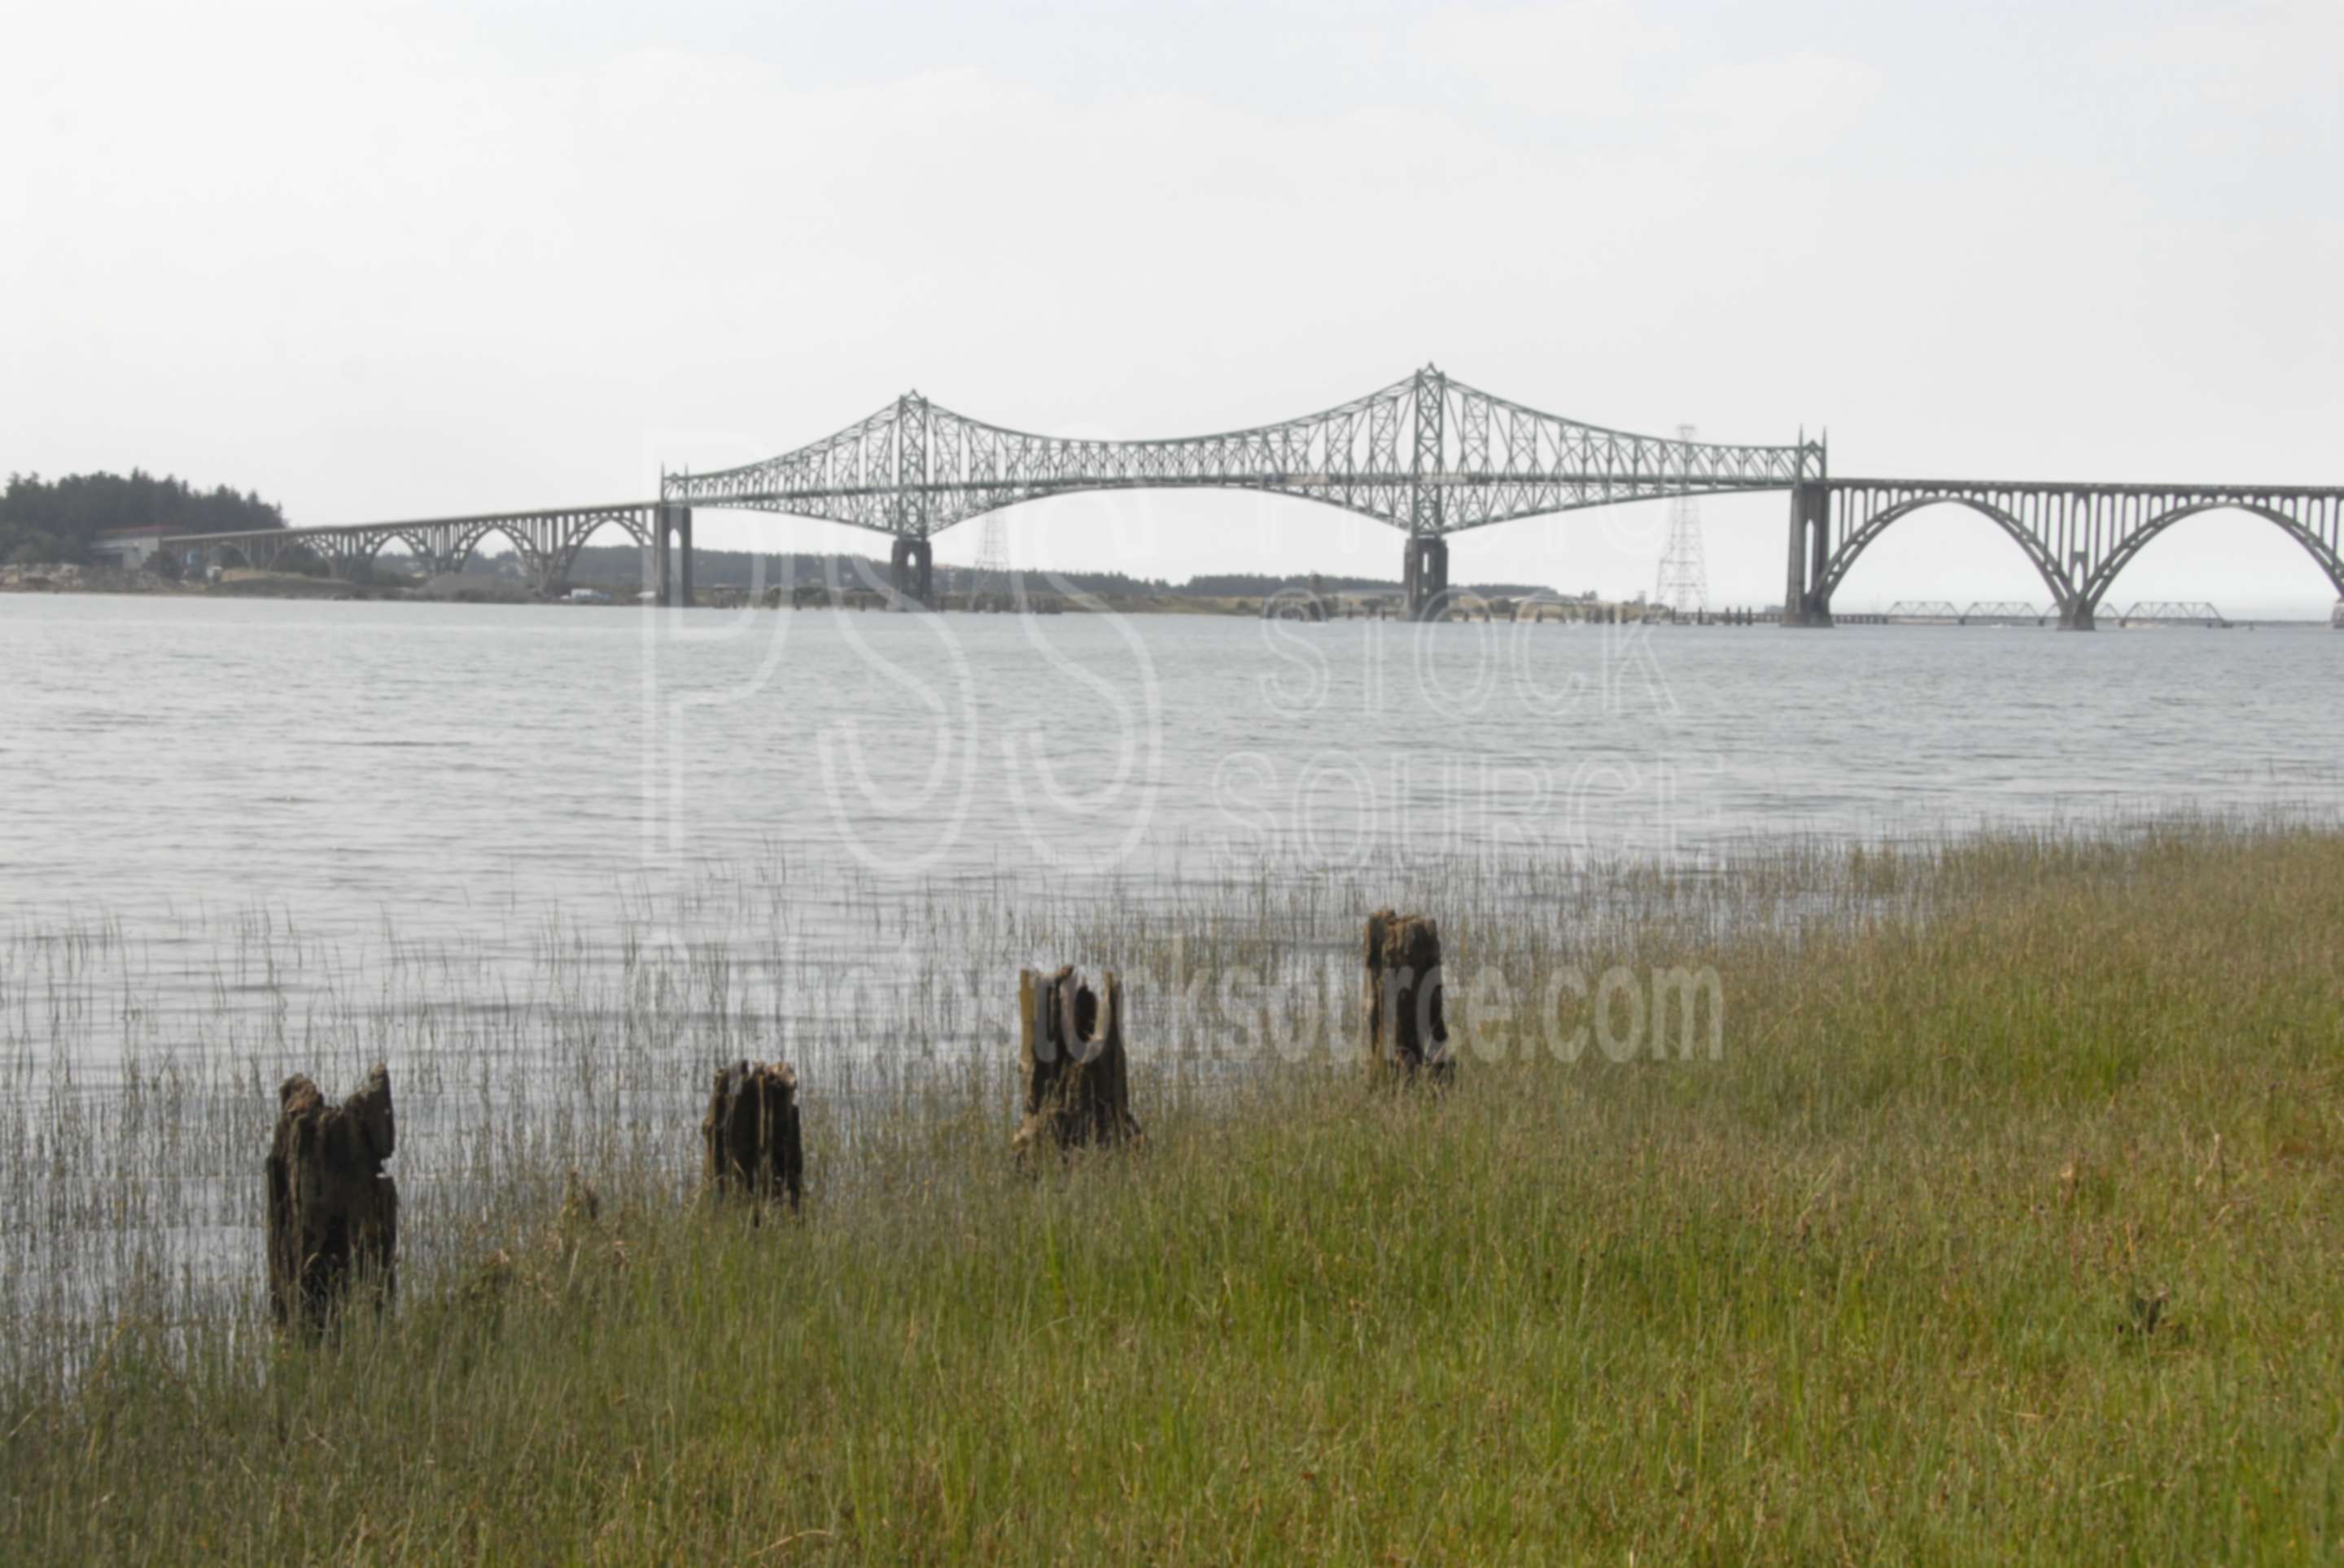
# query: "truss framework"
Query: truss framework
1427,454
2173,612
2006,612
1681,584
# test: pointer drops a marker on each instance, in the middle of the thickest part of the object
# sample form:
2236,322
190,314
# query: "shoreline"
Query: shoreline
248,585
1350,1318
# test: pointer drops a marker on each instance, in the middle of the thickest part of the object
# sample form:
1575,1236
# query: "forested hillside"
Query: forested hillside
43,521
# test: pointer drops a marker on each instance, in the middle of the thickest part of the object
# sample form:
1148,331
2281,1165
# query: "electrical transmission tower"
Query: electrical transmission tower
1684,586
992,557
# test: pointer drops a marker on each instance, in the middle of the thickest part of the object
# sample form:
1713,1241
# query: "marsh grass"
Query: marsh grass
1874,1284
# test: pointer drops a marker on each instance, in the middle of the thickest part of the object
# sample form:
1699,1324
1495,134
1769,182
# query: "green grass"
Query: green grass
1862,1290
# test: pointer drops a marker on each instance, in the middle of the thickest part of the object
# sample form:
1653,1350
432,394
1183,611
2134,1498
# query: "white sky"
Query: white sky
399,260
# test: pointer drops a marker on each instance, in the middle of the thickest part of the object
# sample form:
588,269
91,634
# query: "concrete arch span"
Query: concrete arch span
2063,594
467,541
2322,550
576,532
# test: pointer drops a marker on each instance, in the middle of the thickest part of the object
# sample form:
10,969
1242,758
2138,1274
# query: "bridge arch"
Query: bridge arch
2102,579
425,549
2063,594
367,548
573,534
459,553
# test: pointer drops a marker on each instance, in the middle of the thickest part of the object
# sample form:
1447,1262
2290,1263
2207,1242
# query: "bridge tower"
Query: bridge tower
1425,568
913,572
1425,574
671,526
1684,579
909,507
1804,602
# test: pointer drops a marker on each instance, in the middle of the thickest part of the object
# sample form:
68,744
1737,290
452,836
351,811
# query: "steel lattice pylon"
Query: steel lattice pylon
993,556
1683,586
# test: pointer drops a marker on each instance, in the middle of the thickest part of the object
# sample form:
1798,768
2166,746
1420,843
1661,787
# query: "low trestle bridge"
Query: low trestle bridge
1429,456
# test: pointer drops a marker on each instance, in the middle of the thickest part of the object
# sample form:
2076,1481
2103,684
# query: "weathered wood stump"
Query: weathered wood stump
332,1211
1405,1033
1077,1088
750,1134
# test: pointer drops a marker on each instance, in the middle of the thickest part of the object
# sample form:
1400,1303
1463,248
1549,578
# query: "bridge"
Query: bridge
1945,612
2171,612
2079,537
1428,455
2009,612
547,542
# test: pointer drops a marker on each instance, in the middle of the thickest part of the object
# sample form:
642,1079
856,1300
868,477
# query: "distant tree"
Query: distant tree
301,559
23,547
43,521
1255,585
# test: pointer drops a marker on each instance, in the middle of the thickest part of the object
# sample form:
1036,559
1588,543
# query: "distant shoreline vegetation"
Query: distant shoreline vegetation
621,565
50,522
56,522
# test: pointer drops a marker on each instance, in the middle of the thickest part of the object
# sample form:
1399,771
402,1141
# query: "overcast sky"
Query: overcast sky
406,260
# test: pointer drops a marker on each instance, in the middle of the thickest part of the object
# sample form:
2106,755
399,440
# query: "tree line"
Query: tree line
45,522
621,566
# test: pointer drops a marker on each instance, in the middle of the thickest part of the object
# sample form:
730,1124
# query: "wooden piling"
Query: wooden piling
1077,1086
332,1212
750,1134
1406,1031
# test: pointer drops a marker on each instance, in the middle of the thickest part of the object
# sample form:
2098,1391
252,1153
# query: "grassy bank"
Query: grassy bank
2006,1225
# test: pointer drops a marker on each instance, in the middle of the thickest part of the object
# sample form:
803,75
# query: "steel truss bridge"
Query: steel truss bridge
1427,454
1984,612
2012,612
2173,612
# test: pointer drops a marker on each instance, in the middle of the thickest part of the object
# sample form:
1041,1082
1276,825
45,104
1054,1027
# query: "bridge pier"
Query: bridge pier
672,524
2077,615
1805,602
914,571
1425,572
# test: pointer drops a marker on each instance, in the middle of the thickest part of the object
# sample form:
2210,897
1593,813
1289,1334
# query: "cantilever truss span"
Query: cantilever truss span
1427,454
